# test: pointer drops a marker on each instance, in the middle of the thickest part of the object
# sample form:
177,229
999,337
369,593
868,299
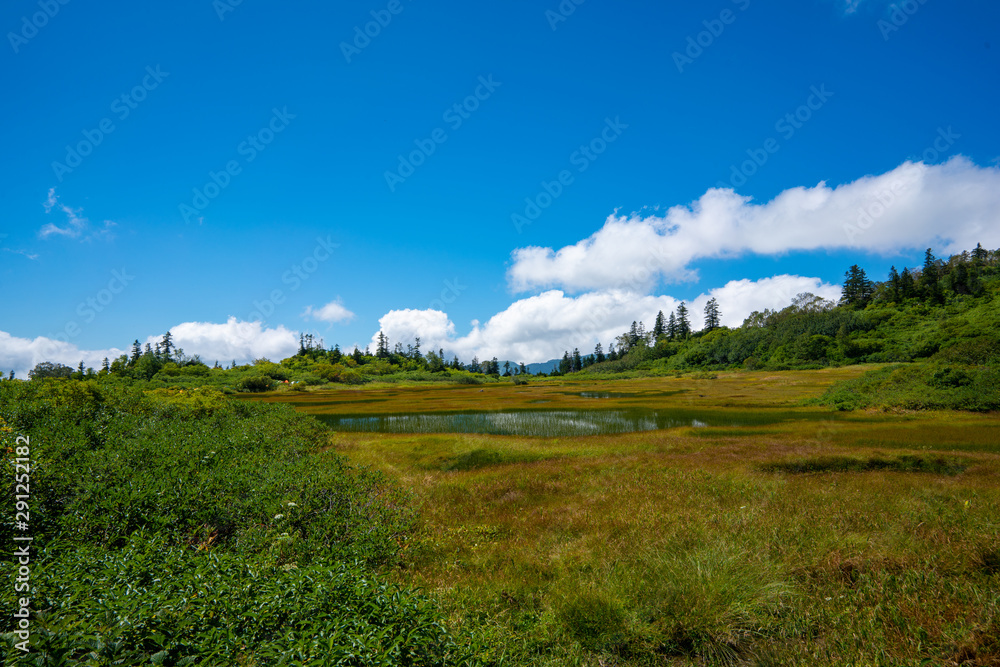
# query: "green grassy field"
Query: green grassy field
864,538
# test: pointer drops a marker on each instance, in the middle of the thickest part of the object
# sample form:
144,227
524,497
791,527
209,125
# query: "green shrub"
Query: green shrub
197,530
153,603
255,383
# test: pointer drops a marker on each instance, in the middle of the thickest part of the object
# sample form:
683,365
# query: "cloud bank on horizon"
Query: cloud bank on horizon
592,290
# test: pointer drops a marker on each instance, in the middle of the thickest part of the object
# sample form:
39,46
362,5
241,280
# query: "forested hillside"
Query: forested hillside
945,312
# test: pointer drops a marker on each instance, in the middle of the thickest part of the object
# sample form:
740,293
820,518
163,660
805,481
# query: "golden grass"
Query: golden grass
673,547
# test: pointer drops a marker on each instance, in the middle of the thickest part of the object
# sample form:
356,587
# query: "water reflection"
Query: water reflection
553,423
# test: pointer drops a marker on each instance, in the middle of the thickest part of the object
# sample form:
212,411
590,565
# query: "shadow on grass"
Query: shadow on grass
938,465
484,458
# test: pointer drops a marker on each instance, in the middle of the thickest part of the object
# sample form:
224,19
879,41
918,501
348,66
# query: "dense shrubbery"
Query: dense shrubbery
180,524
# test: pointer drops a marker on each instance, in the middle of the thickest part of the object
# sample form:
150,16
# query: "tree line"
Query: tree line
937,282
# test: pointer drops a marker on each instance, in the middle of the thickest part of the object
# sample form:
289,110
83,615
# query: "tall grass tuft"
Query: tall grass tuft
714,604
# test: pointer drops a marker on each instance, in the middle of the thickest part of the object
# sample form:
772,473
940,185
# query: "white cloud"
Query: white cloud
542,327
233,340
23,354
332,312
739,298
76,224
950,206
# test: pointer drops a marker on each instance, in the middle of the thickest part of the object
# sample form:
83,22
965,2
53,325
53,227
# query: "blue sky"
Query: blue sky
243,169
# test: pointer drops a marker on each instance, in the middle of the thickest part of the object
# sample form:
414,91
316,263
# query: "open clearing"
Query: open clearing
826,538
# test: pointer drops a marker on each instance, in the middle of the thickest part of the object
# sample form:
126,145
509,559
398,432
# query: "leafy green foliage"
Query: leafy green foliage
180,527
151,602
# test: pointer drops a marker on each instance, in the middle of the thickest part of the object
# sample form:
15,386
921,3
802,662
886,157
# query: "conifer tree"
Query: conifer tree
683,324
659,328
672,327
167,345
712,315
857,290
930,285
895,290
907,286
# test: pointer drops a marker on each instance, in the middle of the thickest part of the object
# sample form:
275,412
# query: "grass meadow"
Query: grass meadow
862,538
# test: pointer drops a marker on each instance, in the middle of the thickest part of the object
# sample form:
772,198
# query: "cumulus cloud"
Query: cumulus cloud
233,340
950,206
76,225
542,327
332,312
739,298
22,354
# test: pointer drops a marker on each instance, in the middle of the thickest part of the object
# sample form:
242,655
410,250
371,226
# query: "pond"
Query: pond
558,423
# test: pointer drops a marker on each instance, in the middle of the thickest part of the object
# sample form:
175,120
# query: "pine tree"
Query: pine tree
857,290
136,352
672,327
683,324
907,286
712,315
383,346
930,285
598,353
979,255
105,366
167,345
565,364
633,335
895,290
577,362
659,327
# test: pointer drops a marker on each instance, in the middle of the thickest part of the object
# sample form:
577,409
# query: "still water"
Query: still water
556,423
